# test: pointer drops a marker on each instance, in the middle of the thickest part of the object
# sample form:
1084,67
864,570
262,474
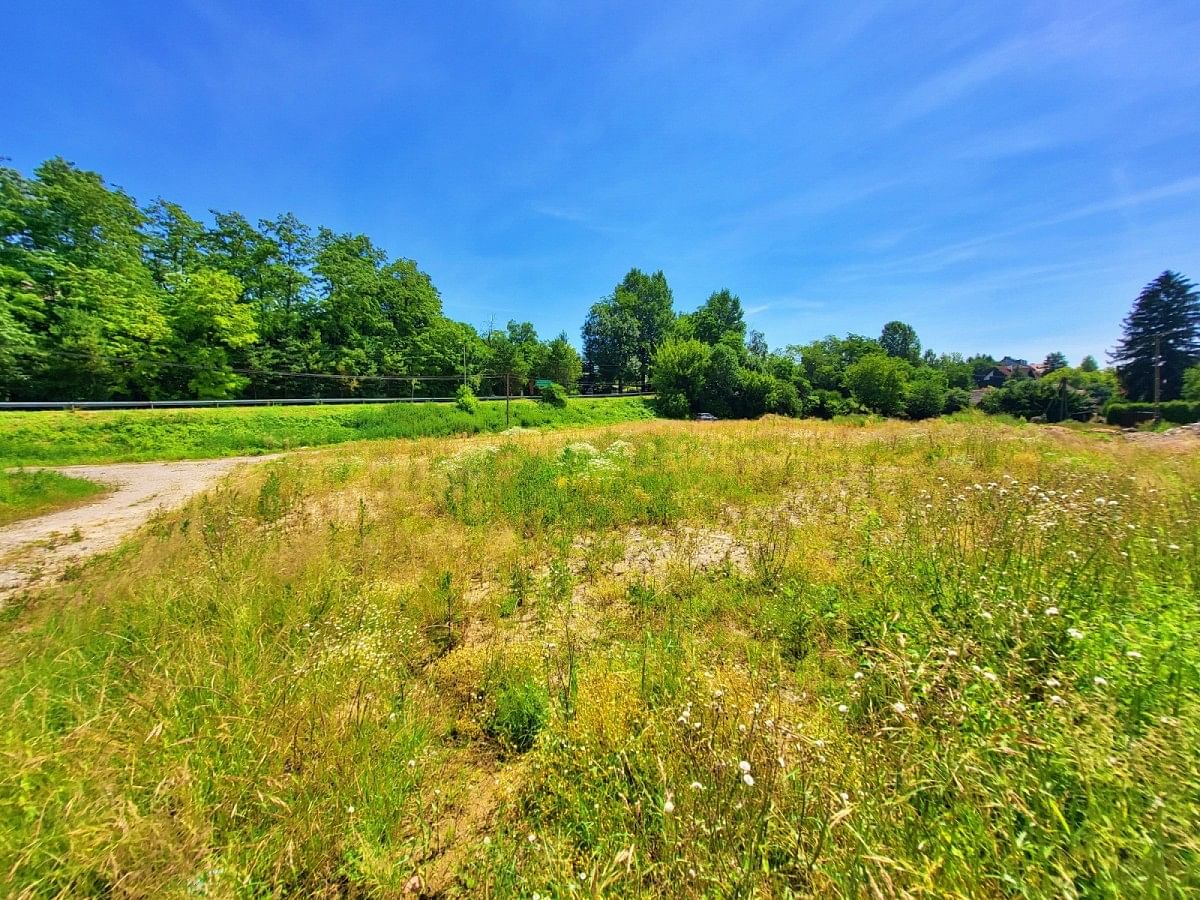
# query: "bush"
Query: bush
555,395
926,395
673,406
1045,399
784,399
1191,384
879,383
957,399
1127,415
679,368
465,399
826,404
520,712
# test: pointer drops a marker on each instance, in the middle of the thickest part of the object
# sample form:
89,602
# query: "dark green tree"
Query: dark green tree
1089,364
1055,361
720,317
900,340
1163,326
610,343
648,299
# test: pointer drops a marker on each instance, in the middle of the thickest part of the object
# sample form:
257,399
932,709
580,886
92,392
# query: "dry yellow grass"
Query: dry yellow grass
623,661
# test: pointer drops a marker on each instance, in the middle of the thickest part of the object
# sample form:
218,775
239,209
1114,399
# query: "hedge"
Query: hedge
1180,412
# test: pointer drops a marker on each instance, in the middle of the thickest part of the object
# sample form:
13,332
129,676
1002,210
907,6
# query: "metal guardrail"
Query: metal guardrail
32,405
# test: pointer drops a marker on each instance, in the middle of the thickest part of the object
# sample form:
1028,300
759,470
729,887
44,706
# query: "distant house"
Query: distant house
1008,368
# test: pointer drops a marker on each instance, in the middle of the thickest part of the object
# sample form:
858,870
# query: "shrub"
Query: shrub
673,406
1127,415
464,399
879,383
679,368
957,399
520,712
826,404
783,398
555,395
1191,384
926,395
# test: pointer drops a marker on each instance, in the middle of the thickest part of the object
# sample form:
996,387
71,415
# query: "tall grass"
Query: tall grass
63,438
659,659
25,494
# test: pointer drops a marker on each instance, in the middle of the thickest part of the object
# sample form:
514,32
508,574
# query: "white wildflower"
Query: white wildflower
748,779
744,765
1100,681
842,707
1074,633
1052,610
899,707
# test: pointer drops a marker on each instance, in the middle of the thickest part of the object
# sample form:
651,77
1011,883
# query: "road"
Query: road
34,551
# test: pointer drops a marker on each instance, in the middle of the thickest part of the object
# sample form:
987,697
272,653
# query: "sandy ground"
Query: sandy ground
33,551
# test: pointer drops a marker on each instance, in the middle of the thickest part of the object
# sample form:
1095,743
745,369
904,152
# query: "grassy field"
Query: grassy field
25,494
656,659
64,438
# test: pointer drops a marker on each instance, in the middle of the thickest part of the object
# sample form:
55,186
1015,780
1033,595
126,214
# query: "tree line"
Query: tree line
103,298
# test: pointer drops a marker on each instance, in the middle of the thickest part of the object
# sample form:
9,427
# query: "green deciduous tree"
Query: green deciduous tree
900,340
1191,383
208,320
679,370
561,363
719,318
925,396
648,299
610,343
879,382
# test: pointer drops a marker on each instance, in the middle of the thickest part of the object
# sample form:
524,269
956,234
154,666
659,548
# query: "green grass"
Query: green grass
63,438
654,659
26,494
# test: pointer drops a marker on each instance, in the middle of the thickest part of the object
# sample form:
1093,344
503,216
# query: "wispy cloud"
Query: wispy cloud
943,257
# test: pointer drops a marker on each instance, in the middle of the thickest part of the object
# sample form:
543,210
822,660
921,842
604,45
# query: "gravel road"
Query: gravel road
33,551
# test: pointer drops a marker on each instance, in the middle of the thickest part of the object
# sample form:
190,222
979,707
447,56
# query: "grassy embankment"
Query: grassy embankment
738,659
26,494
64,438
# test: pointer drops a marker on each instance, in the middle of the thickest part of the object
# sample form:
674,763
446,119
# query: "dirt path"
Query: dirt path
32,551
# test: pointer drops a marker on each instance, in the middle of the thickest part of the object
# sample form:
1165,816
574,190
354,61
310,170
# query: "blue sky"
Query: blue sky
1003,176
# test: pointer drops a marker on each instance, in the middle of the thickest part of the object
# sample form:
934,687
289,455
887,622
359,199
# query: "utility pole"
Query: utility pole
1157,376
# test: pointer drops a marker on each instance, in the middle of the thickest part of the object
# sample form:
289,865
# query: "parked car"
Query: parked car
705,417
